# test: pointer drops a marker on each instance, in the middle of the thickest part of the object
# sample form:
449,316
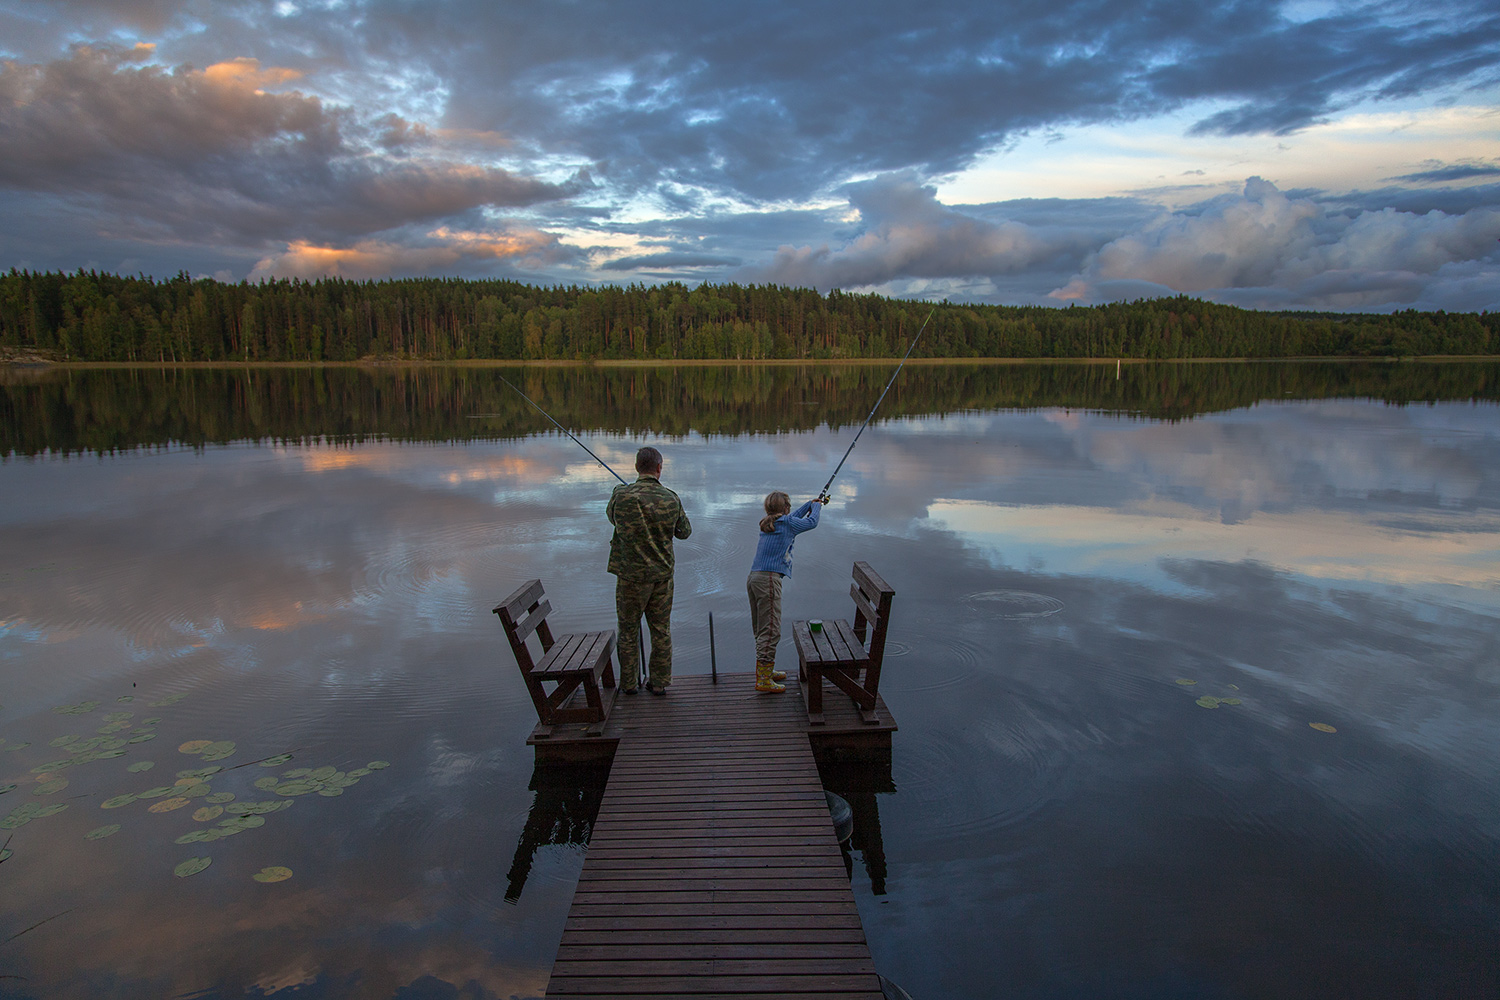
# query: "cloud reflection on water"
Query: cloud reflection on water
1064,813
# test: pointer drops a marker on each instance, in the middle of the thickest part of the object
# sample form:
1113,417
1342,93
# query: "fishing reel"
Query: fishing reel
825,499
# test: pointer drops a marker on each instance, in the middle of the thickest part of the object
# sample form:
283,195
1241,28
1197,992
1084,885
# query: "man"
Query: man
646,516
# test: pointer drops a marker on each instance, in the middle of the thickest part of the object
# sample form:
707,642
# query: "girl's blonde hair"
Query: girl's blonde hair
777,504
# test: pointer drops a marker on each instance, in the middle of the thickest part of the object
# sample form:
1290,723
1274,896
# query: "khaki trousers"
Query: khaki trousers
764,588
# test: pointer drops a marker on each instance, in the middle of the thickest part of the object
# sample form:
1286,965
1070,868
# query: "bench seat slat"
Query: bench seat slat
562,651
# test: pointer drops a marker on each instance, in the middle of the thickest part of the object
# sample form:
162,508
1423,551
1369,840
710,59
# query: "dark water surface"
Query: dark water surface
1063,818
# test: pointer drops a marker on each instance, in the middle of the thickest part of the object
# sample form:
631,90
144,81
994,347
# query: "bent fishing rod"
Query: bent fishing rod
824,491
560,427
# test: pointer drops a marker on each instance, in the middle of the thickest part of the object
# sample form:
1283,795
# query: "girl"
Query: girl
773,560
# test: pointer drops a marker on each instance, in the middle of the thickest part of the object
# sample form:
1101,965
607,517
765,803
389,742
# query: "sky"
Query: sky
1304,154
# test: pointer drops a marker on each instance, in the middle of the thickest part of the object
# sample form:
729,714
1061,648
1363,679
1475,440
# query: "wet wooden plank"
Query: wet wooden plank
712,868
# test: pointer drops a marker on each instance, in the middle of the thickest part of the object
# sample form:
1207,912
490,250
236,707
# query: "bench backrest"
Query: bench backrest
523,613
872,608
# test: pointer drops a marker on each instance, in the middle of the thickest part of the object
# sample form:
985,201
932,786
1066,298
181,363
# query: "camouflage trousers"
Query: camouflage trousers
652,598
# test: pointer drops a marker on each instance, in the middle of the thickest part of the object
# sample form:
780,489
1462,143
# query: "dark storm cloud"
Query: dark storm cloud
773,102
668,260
209,154
1451,172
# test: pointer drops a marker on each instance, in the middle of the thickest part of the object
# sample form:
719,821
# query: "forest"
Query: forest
92,316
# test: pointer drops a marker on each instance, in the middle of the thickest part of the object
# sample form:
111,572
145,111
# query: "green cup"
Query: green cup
815,626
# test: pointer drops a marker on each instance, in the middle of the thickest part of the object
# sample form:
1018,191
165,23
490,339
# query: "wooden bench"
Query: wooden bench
569,661
840,652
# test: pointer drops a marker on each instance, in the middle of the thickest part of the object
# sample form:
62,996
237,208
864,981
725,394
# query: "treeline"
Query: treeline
70,410
89,316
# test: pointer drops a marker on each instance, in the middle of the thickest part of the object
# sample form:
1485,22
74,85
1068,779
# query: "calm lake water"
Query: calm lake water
304,562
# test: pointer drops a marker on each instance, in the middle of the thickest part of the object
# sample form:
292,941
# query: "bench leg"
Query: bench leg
813,692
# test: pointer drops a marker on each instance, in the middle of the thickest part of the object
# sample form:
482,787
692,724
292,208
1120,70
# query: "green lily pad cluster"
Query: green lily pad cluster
208,749
246,816
29,811
169,700
1208,700
327,781
82,708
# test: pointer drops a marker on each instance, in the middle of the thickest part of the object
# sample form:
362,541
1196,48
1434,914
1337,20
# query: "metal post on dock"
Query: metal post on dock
713,659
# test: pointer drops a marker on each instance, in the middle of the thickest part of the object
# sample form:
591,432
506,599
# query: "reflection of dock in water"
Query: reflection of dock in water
712,864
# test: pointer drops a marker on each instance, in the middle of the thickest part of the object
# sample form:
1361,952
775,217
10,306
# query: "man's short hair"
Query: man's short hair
648,459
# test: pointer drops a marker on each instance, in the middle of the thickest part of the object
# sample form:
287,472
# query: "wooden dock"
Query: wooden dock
713,869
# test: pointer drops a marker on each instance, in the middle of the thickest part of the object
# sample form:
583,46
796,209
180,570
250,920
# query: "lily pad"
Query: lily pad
276,761
191,866
195,791
103,831
1322,727
117,802
141,765
52,765
5,852
296,788
1185,682
167,805
18,746
207,813
197,837
155,793
262,808
266,784
51,810
297,772
151,721
219,750
330,792
7,788
220,797
194,746
48,787
1208,701
110,754
126,697
170,699
323,773
199,773
360,772
117,716
143,738
378,765
62,741
243,823
275,873
1229,701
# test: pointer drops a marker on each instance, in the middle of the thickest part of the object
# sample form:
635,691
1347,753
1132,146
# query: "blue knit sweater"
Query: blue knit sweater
773,551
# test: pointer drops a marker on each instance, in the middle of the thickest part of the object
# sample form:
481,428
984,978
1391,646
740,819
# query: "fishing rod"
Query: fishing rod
560,427
824,491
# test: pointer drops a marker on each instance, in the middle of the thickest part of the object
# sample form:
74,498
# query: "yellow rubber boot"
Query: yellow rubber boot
763,681
778,675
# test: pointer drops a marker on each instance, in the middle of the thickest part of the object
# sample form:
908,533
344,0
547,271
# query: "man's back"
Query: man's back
646,516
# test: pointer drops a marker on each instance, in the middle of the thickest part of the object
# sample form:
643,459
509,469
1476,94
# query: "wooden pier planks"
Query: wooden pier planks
713,870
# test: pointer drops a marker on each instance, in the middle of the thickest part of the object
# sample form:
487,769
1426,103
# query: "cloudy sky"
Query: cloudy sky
1306,153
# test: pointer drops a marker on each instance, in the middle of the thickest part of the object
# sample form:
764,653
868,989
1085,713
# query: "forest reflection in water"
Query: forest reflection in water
1062,816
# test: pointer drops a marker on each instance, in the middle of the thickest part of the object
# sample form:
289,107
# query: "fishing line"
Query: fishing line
569,433
824,491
